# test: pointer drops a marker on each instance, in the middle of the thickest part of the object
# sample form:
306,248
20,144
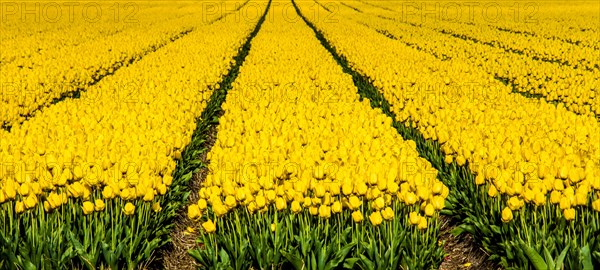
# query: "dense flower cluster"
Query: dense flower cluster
118,147
295,137
496,28
33,77
525,149
577,88
28,38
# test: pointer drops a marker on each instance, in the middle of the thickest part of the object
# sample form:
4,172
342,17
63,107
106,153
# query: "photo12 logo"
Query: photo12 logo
71,12
489,12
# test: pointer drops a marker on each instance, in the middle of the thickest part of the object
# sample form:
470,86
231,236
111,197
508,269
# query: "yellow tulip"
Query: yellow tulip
448,159
357,216
460,160
54,200
414,218
479,179
355,202
375,218
271,195
555,197
507,215
565,203
492,191
429,210
540,199
280,203
194,212
167,180
240,195
581,198
31,201
324,211
129,209
438,202
296,207
19,207
99,205
202,204
209,226
347,188
559,185
438,188
47,206
528,195
108,193
162,189
392,187
410,198
336,207
260,201
422,223
88,207
230,201
24,189
379,203
156,207
596,205
361,188
220,209
307,202
149,196
387,213
569,214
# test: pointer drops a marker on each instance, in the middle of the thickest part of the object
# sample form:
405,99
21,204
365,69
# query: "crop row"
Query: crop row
519,159
577,88
306,184
89,182
574,55
32,83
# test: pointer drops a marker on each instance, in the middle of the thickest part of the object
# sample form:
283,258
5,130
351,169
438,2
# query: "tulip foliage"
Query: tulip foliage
523,174
95,182
305,175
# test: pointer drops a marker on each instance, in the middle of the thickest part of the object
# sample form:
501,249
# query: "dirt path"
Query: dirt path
175,255
462,252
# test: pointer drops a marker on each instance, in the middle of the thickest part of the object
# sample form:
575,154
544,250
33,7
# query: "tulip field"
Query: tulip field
299,134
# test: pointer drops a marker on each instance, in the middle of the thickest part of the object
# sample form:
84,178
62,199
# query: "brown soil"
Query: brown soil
175,255
462,252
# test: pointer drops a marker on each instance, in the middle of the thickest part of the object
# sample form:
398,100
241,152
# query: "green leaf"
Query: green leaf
295,260
549,259
322,255
186,177
224,256
29,266
350,262
561,259
68,254
586,258
534,257
196,255
339,256
462,229
368,264
495,229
